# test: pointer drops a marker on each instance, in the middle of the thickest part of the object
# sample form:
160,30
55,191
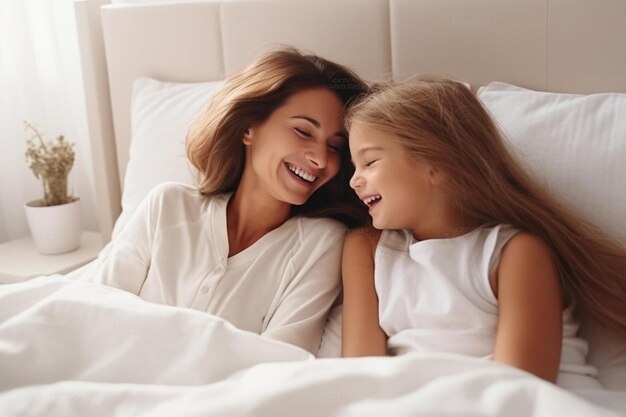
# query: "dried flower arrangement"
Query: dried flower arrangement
52,163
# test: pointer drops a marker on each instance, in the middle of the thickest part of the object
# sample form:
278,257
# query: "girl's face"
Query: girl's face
297,149
400,191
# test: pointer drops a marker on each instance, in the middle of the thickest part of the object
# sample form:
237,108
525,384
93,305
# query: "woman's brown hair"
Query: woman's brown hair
214,141
441,121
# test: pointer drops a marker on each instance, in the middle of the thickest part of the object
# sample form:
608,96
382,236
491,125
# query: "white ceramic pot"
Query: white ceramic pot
55,229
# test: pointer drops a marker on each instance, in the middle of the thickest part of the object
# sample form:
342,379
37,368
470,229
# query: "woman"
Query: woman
259,241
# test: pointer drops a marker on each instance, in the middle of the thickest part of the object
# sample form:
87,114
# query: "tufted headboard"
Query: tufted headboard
552,45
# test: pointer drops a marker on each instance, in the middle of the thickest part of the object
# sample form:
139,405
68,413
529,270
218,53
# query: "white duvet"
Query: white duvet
79,349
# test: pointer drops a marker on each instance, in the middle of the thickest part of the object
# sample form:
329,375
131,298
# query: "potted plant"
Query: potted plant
54,220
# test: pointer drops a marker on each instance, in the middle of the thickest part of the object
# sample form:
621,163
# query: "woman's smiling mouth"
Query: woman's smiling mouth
301,173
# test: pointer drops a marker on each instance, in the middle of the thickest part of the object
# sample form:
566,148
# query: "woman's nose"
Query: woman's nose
318,155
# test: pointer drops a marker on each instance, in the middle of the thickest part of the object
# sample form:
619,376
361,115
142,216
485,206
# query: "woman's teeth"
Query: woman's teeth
371,200
302,173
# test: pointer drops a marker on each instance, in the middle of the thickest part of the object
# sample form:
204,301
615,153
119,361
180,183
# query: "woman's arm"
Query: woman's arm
361,333
124,262
530,306
305,300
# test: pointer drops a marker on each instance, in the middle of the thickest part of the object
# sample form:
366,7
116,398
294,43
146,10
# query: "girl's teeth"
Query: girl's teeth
370,200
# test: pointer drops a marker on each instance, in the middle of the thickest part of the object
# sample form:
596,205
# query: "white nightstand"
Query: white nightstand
19,259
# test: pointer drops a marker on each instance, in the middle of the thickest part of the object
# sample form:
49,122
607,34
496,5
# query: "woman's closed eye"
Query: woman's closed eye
335,148
302,133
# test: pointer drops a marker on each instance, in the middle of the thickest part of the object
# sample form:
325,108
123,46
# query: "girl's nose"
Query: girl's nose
356,181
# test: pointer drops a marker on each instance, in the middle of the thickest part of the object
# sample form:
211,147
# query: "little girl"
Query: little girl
470,256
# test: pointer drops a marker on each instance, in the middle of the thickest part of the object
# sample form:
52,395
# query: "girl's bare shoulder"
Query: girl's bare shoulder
363,238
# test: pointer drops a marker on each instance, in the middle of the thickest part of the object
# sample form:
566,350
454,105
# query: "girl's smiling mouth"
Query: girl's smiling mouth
372,200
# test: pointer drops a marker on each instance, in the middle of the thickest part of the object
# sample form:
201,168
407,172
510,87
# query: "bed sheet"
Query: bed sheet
71,348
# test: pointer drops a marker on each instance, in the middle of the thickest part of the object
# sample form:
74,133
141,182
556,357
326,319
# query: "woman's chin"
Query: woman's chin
298,202
296,199
298,196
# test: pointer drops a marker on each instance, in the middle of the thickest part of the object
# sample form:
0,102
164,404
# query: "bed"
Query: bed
68,348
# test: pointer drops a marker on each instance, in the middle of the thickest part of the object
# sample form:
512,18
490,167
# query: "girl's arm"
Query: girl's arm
361,334
530,304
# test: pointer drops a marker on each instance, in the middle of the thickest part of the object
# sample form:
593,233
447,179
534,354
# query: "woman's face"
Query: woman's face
297,149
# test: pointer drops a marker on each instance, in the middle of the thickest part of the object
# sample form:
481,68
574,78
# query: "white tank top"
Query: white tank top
434,296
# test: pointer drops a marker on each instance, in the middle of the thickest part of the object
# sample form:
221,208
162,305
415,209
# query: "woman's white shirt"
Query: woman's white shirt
174,251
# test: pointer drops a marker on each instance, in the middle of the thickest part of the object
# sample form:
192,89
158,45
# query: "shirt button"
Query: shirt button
220,269
205,289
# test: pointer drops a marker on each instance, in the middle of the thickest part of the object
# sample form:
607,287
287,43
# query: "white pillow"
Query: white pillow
575,145
161,114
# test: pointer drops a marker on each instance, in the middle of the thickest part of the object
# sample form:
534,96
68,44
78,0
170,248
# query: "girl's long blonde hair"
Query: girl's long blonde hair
441,121
214,140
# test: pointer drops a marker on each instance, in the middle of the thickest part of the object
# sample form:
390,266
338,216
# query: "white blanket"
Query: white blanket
80,349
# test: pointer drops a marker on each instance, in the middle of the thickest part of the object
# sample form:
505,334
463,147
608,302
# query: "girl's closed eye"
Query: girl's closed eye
368,164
